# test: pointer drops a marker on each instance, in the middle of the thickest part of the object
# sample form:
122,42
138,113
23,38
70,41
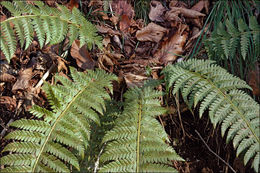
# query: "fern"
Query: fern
41,145
50,25
226,40
137,142
216,89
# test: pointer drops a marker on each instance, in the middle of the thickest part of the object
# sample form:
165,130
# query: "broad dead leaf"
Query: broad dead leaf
72,4
23,81
172,47
133,80
125,23
82,56
201,5
186,12
123,8
156,11
106,30
254,81
5,77
152,32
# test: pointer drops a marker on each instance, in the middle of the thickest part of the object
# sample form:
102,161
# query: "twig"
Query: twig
179,114
6,128
97,162
214,152
44,77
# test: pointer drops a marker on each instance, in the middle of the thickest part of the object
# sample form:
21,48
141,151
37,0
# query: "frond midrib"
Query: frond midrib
54,125
138,137
231,103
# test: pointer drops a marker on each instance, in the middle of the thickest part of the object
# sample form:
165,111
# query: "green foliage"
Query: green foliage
137,142
51,26
205,82
45,145
228,39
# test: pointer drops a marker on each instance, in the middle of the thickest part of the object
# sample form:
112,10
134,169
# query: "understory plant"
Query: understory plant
206,85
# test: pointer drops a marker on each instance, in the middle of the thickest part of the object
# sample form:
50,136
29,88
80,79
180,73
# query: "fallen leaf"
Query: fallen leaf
201,5
133,80
5,77
22,82
125,23
123,8
72,4
156,11
173,47
9,102
81,55
152,32
176,3
61,64
106,41
106,30
187,12
254,80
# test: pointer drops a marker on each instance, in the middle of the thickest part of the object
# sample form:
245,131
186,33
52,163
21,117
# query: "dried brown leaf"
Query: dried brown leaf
9,102
82,56
106,30
201,5
254,81
172,47
152,32
156,11
125,23
23,81
133,80
187,12
123,8
5,77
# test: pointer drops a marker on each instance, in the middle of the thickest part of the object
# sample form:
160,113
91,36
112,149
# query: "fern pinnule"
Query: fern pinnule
42,145
203,81
51,26
137,141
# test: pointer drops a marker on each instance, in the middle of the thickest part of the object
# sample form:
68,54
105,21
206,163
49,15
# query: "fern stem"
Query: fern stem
138,138
54,125
230,102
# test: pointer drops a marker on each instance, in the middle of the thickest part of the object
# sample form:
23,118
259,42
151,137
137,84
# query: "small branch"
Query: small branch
214,152
97,162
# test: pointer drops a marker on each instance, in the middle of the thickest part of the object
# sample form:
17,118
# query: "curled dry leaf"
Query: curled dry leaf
72,4
5,77
105,30
125,23
133,80
9,102
254,81
201,5
172,47
123,8
156,11
152,32
82,56
23,81
186,12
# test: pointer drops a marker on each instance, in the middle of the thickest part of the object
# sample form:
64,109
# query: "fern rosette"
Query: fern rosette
219,91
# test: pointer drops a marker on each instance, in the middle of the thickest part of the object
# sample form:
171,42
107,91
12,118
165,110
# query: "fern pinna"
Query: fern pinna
41,145
216,89
51,26
137,142
228,38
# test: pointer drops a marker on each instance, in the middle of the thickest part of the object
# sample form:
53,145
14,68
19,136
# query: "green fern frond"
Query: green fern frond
41,145
228,39
203,81
51,26
137,142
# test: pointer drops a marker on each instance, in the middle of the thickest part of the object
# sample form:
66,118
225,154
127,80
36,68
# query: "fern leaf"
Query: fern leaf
41,145
219,91
137,142
51,26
